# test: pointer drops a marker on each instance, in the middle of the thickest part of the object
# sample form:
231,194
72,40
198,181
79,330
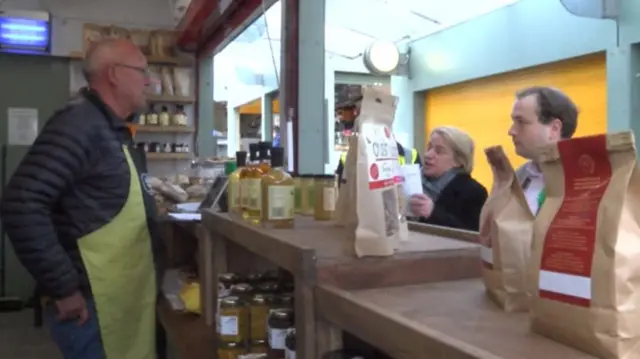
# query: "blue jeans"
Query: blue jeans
76,341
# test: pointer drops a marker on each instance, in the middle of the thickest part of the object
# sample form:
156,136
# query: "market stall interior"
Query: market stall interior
268,255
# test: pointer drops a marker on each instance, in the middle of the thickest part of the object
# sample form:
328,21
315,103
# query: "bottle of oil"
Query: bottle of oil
278,193
250,180
235,205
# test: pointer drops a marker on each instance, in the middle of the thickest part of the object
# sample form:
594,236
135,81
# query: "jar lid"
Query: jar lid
259,299
227,276
268,286
282,313
256,342
231,345
242,288
252,277
230,300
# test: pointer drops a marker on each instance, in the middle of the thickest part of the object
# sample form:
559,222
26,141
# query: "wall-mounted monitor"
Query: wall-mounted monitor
25,31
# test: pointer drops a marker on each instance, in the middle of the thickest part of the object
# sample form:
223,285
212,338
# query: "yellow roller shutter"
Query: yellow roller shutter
482,107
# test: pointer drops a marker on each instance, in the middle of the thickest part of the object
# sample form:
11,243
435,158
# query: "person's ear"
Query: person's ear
556,129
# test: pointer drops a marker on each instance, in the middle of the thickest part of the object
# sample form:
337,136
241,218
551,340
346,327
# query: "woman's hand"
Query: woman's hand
421,205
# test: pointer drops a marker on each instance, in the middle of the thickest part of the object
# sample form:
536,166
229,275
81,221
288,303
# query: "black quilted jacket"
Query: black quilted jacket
74,180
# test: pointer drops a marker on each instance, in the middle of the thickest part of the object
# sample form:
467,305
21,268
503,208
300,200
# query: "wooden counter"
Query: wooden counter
452,320
320,252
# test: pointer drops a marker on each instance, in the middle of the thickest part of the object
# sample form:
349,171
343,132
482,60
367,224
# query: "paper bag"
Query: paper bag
585,261
380,224
506,229
345,213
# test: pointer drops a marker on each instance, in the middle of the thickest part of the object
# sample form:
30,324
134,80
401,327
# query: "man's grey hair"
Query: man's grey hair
99,56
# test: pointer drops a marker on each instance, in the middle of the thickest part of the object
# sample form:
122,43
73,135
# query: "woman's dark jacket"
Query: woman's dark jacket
459,204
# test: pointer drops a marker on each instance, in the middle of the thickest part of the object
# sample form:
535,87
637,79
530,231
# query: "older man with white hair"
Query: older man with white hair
81,220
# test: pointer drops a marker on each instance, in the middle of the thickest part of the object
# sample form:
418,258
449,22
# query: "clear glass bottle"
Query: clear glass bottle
278,194
152,116
163,117
264,149
250,180
235,205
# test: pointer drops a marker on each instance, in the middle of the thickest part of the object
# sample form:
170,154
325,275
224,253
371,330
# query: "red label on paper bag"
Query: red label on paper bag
567,255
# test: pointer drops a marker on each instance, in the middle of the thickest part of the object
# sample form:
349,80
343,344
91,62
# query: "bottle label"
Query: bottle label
289,354
281,202
277,338
234,194
254,198
228,325
329,199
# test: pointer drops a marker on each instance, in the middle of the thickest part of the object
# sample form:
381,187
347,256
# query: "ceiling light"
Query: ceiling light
382,57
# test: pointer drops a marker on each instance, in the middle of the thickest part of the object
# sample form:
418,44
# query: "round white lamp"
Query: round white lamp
381,57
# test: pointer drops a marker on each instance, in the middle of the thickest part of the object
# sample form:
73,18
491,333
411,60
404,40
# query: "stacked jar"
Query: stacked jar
243,314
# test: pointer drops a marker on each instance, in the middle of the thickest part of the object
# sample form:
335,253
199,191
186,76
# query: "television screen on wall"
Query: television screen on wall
25,32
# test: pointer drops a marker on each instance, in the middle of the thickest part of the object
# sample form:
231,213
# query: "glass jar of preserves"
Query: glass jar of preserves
306,195
243,291
283,301
259,313
233,320
290,344
268,287
325,197
227,280
259,346
230,350
279,323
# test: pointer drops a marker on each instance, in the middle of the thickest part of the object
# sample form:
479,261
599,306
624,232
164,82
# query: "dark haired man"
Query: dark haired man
540,115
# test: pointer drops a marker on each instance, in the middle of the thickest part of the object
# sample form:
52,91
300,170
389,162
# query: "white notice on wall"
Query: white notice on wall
22,125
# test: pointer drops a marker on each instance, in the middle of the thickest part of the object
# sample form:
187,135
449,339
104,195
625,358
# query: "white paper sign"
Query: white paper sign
22,125
412,183
412,180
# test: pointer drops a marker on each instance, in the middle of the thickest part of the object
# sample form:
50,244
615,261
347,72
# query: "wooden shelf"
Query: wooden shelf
188,334
164,129
152,60
172,99
168,156
322,253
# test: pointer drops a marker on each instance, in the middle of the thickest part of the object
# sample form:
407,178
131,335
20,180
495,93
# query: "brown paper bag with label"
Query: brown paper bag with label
506,229
585,261
380,225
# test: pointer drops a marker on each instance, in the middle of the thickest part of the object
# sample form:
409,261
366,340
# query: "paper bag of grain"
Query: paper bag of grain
585,260
506,229
380,224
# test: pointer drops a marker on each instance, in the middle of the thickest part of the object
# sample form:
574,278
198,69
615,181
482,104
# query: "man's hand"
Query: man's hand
73,307
421,205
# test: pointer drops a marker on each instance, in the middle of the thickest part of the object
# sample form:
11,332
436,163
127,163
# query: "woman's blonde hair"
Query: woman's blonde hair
461,144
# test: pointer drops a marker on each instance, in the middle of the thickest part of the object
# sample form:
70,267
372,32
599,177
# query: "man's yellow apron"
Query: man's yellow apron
120,266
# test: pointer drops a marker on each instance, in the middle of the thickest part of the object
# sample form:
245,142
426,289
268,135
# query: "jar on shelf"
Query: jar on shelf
283,301
290,344
228,279
268,287
255,278
279,323
325,197
259,313
233,320
259,346
230,350
244,291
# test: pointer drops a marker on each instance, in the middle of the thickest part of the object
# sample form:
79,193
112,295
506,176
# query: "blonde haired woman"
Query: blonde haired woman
451,197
